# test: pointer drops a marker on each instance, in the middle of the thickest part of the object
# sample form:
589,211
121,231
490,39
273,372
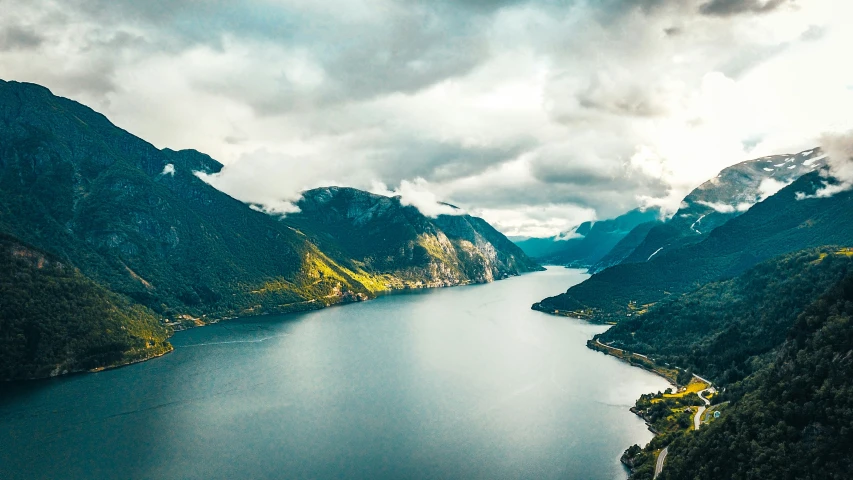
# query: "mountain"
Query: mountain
140,222
54,320
795,418
785,222
726,196
723,329
384,237
625,247
587,243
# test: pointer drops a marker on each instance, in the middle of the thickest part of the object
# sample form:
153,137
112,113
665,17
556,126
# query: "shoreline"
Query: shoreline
670,375
188,322
635,360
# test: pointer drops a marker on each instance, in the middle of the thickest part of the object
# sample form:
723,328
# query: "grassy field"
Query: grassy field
695,386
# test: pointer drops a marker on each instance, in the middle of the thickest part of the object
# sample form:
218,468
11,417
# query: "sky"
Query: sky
534,114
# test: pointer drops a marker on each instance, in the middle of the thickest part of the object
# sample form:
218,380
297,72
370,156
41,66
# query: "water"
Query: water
462,383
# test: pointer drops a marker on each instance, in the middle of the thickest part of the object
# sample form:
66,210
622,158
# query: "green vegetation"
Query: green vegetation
794,418
381,236
620,252
735,186
727,330
670,417
642,361
53,320
777,341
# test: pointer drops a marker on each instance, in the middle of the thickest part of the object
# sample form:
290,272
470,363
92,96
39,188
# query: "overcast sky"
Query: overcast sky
536,115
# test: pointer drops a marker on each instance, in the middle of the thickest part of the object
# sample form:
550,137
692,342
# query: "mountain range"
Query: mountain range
792,219
640,235
731,193
139,222
589,242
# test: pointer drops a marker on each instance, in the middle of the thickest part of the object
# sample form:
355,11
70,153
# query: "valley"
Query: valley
111,248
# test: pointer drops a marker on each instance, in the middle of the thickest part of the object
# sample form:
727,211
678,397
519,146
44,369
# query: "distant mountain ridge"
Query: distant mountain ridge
622,250
780,224
589,242
731,193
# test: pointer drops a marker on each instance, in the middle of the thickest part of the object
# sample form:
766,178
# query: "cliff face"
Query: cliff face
407,248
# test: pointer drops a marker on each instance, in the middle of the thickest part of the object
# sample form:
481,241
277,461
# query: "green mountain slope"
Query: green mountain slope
724,330
54,320
724,197
140,221
619,253
780,224
381,236
796,420
76,185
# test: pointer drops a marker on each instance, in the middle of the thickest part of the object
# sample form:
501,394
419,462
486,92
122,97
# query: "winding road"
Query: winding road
661,459
697,420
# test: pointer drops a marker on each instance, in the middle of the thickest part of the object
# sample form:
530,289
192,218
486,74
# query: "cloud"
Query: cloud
838,177
536,115
417,194
169,169
769,187
725,208
726,8
17,37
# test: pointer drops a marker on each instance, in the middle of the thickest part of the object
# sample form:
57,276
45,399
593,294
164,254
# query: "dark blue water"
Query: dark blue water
462,383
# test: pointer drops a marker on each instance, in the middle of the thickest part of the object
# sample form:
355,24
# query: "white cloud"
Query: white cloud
169,169
839,159
769,186
417,194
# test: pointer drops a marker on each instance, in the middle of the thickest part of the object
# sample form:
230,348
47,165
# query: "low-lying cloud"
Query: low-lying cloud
726,208
838,176
417,194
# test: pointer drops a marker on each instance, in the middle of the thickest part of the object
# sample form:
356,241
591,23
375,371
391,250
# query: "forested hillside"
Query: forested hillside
620,252
796,419
53,320
725,330
139,221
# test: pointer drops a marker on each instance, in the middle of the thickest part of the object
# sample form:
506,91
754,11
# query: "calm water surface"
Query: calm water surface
462,383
